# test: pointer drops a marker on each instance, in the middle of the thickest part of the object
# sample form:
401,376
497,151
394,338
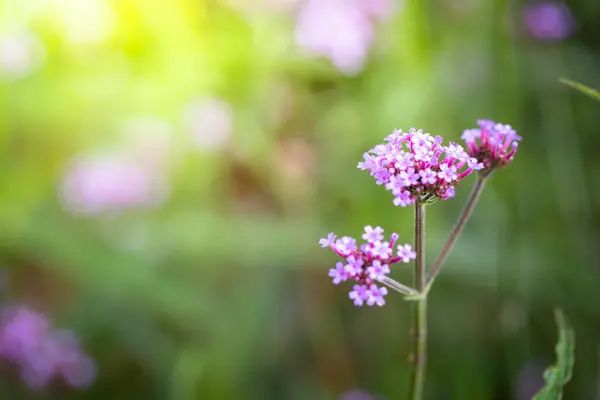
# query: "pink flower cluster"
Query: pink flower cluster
340,30
367,263
493,144
415,165
43,354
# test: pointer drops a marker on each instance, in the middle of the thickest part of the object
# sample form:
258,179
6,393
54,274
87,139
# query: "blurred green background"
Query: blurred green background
186,259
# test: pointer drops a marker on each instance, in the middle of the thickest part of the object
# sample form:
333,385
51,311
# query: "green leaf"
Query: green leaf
556,376
593,93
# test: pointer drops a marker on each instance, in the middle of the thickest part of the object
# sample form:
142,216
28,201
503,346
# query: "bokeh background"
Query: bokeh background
167,168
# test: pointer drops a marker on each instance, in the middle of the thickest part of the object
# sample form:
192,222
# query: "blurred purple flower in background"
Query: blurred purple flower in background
340,30
549,20
42,354
21,52
210,122
22,331
94,185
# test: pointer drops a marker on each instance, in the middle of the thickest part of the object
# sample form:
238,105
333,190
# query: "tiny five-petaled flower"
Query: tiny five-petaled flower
366,264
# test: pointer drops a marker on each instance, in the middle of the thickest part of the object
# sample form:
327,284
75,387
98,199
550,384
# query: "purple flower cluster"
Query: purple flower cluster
492,144
367,263
43,354
415,165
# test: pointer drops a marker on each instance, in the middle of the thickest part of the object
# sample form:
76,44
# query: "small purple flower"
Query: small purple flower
355,261
549,20
404,198
359,295
373,234
406,253
369,163
416,166
448,193
368,263
327,242
409,177
381,249
447,173
382,176
395,184
375,295
428,177
338,273
378,270
493,145
352,270
354,266
345,245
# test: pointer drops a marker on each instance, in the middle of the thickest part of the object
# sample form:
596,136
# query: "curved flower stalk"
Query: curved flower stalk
368,263
415,166
494,145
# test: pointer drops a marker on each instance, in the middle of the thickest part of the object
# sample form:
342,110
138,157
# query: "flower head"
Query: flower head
414,166
494,145
366,263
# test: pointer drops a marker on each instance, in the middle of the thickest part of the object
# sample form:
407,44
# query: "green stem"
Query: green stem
419,331
397,286
456,231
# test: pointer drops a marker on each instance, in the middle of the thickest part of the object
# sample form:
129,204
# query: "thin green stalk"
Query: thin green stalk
434,270
419,331
397,286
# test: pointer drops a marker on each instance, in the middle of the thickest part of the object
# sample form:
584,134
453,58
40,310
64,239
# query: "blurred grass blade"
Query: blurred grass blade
593,93
556,376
